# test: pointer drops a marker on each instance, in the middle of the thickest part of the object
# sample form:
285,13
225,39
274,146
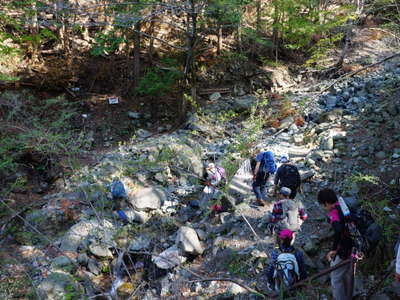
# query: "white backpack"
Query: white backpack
286,271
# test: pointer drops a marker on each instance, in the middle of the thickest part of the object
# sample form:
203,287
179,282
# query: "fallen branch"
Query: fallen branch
358,71
308,280
202,278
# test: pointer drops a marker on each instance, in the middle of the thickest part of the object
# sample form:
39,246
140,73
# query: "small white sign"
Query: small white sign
84,116
113,100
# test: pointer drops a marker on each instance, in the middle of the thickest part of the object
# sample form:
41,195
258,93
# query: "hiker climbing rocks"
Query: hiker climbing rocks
264,166
286,213
341,278
397,274
214,176
287,263
287,175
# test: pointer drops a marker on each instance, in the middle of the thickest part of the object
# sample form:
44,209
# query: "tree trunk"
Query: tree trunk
191,36
258,16
275,31
219,45
136,55
151,29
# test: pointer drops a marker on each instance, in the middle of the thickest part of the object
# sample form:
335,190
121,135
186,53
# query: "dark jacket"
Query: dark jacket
288,175
342,241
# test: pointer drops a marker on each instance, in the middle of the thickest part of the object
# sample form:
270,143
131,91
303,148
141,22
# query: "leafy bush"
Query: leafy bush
107,43
159,80
38,127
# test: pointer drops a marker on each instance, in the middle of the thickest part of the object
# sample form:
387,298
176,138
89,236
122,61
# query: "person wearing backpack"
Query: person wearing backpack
397,255
342,246
287,175
287,263
265,166
214,177
286,213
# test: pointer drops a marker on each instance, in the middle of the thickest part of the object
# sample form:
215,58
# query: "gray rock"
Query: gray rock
188,240
327,143
100,250
331,102
304,175
83,259
235,289
133,115
142,134
62,263
244,103
80,232
148,198
215,96
298,152
286,123
168,259
140,243
58,285
380,155
137,216
94,267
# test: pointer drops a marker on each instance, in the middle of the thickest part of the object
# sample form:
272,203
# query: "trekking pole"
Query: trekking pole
258,238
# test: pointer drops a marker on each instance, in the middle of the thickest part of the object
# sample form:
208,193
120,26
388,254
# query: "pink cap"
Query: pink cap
286,234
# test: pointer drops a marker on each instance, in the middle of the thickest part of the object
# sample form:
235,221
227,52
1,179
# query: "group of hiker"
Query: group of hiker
352,238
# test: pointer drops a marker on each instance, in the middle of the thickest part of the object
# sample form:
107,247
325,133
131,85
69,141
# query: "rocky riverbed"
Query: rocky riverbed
76,244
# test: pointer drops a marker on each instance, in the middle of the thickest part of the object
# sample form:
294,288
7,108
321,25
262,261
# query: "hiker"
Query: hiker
397,274
214,176
264,166
286,213
341,249
287,263
287,175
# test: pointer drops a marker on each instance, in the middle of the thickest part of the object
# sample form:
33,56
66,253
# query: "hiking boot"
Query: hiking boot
260,202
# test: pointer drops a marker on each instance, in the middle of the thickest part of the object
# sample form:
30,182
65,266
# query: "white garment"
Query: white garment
215,176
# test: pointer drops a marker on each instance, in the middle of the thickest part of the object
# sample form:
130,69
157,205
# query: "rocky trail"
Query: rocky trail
76,244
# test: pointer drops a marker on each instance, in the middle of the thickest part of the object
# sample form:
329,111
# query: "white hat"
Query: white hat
284,158
210,166
285,191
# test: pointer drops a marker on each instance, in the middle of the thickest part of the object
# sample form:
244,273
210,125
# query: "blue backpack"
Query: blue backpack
268,164
118,189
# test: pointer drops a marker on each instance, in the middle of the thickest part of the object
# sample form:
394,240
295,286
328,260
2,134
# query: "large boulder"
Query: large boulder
81,231
188,240
149,198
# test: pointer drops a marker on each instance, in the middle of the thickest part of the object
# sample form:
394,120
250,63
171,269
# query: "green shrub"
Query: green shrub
37,127
158,81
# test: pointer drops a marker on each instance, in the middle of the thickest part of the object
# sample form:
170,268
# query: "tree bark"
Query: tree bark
219,47
136,55
191,24
136,52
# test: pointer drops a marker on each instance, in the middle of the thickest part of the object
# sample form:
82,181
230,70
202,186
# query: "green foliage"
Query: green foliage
256,39
107,43
158,81
236,264
42,127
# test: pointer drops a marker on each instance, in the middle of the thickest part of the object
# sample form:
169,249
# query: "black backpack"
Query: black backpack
290,176
365,232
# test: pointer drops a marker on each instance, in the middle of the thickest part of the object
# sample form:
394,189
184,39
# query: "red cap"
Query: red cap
286,234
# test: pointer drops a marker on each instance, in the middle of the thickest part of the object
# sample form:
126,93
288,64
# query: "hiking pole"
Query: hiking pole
258,238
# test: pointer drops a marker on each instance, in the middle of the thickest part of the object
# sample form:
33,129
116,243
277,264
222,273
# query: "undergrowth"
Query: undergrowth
35,133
